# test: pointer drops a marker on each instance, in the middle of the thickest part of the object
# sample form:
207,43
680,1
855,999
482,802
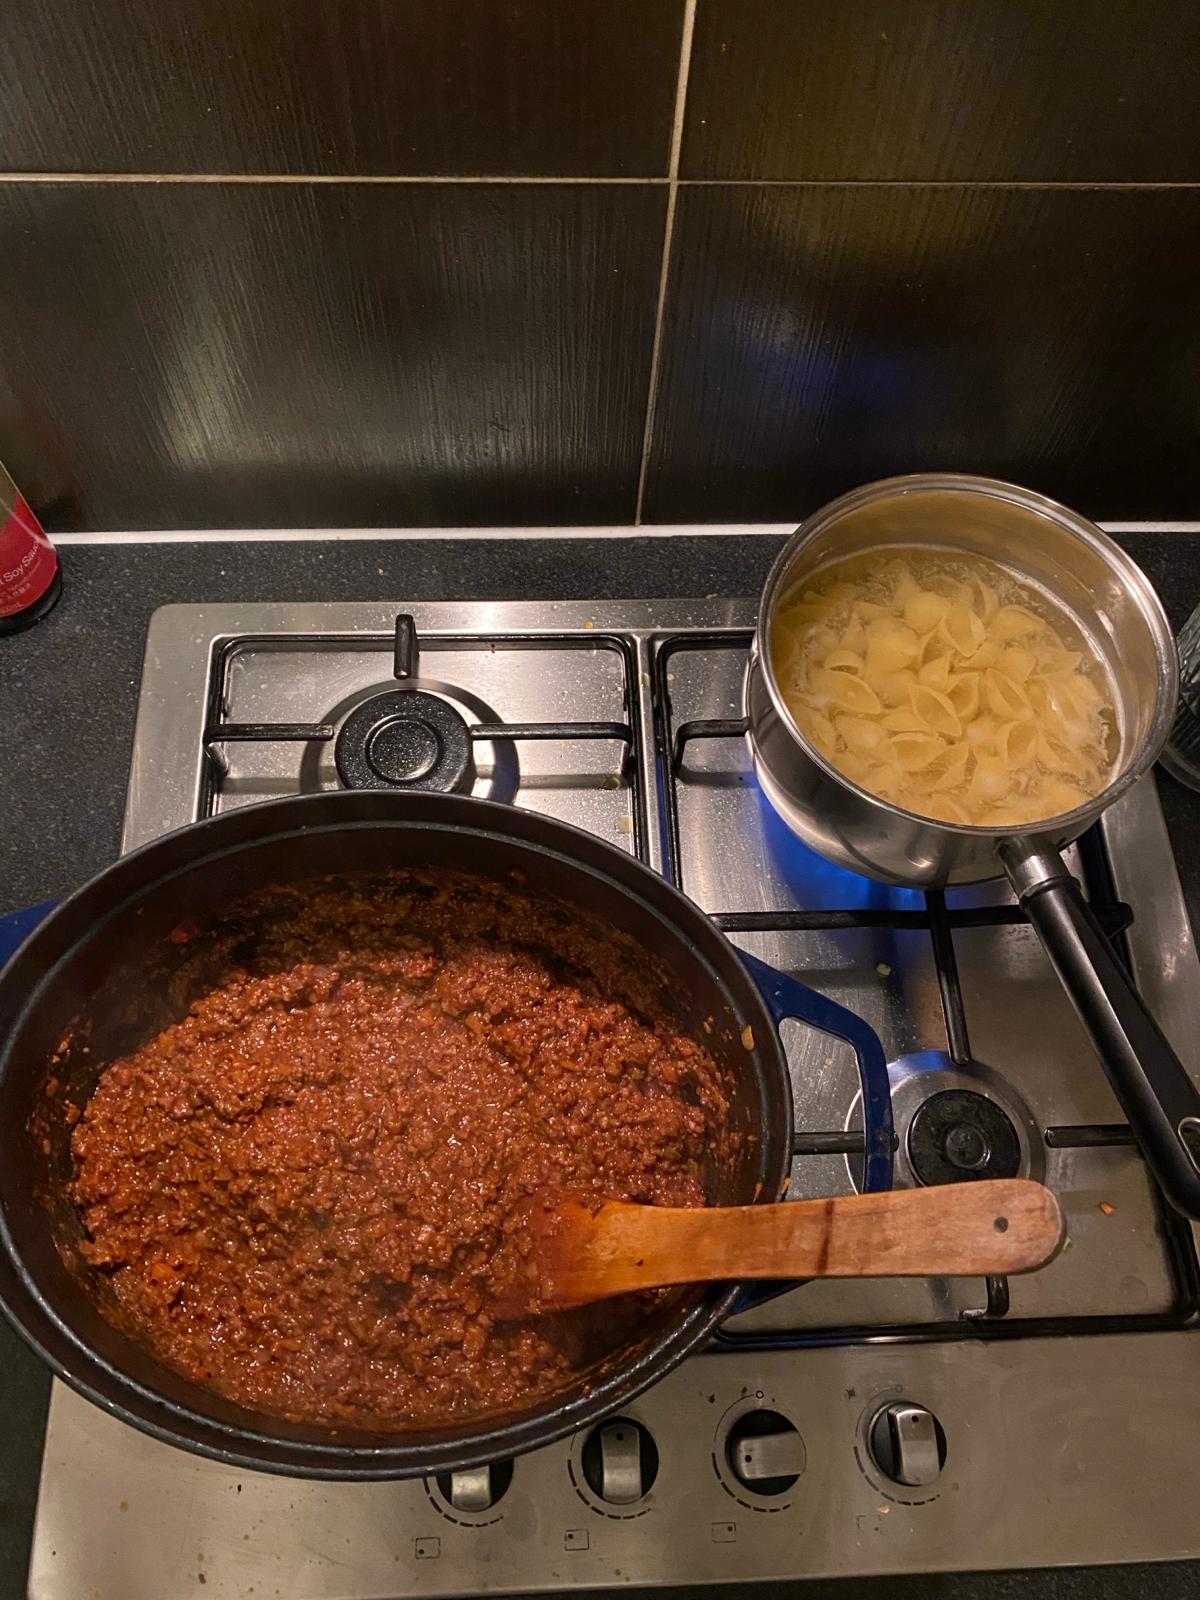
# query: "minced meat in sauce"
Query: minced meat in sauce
304,1189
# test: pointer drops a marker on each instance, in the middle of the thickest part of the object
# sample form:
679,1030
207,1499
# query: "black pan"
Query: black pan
101,967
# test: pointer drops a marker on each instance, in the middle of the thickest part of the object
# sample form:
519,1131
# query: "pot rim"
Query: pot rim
1067,824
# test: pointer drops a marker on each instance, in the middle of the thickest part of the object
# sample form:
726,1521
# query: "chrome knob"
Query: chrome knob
620,1461
765,1452
475,1489
908,1444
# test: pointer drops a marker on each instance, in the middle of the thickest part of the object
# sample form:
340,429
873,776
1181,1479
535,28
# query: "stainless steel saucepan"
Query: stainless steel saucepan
1119,614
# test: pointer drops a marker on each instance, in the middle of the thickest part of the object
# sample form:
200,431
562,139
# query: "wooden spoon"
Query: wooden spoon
957,1230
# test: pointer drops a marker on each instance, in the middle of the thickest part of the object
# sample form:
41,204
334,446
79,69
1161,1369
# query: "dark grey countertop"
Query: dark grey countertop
68,693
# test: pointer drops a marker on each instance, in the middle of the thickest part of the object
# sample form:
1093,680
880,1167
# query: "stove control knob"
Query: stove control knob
619,1461
475,1488
908,1444
765,1452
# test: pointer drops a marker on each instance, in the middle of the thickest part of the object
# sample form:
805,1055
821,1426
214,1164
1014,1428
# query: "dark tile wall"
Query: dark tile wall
1066,91
817,337
578,88
388,262
335,354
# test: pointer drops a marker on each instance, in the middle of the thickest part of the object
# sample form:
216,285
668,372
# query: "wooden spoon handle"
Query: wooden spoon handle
968,1229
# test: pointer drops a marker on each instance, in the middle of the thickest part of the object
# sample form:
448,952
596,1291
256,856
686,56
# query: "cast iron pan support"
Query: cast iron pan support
453,770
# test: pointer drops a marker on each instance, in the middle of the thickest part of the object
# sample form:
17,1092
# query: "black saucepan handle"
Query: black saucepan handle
1157,1094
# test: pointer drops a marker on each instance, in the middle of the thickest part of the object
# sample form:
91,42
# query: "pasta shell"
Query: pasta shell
981,731
894,691
818,729
947,809
800,614
891,647
1081,692
1051,658
886,779
989,654
925,610
854,638
903,720
936,711
936,672
1057,756
950,770
991,781
961,630
1017,662
858,766
912,751
1059,796
786,655
1005,699
786,636
845,661
860,734
987,601
1063,707
962,691
1051,726
945,771
1012,815
817,642
897,575
851,693
953,589
1014,622
1016,744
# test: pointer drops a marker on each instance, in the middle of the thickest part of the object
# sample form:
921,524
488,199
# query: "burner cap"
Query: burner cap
405,739
957,1135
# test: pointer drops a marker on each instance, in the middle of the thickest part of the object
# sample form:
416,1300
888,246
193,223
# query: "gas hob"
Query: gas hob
912,1425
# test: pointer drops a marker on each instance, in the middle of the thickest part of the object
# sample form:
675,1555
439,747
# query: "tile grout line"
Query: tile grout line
380,179
1073,184
681,85
296,178
383,180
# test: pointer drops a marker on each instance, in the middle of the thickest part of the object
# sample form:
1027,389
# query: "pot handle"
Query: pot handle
1159,1098
16,926
787,998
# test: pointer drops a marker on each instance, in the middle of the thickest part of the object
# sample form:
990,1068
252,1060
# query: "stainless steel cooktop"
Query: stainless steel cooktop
836,1429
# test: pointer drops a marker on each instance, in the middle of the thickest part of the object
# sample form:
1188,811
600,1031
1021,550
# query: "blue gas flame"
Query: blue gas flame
816,884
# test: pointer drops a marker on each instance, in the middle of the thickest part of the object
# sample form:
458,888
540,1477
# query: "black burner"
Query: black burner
404,739
956,1136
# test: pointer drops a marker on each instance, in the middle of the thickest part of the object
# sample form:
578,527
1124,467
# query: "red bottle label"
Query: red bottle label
27,560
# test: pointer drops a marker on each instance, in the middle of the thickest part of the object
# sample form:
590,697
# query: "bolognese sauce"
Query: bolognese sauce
303,1190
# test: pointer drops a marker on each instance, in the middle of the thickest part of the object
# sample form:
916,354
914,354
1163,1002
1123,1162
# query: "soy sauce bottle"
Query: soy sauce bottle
30,576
